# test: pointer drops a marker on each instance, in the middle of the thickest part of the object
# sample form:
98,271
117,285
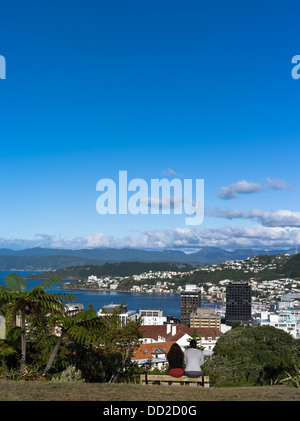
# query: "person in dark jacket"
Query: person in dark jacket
175,359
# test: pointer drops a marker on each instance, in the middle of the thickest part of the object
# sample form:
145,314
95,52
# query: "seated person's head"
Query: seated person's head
193,343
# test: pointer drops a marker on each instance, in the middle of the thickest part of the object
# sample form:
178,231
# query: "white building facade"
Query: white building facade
152,317
287,320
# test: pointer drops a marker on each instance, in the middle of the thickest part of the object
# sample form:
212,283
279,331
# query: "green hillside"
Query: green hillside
292,267
110,269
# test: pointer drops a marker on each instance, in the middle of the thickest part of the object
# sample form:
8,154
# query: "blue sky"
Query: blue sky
199,89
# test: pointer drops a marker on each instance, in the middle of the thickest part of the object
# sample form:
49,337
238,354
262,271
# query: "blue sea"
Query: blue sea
169,303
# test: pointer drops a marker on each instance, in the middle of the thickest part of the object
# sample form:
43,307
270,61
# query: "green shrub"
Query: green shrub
252,357
69,375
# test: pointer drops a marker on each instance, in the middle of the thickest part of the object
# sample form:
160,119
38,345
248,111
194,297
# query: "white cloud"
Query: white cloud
226,237
276,229
166,202
98,240
242,187
229,236
178,238
277,184
279,218
227,193
246,187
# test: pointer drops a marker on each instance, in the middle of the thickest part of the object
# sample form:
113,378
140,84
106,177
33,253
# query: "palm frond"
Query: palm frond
48,284
13,334
41,292
65,297
15,282
50,301
6,294
84,316
82,335
6,349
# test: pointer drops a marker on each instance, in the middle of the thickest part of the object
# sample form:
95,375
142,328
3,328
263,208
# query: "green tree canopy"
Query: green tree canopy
256,355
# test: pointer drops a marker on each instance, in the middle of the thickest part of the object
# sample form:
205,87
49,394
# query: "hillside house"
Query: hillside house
180,334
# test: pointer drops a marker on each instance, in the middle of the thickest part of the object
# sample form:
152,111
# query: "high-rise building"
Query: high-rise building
238,303
190,300
205,317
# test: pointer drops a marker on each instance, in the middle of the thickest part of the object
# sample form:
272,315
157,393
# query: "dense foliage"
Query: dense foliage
253,356
48,340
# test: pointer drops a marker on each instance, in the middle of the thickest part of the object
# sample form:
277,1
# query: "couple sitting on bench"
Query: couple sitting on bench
192,357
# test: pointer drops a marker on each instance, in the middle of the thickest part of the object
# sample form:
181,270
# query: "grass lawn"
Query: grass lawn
43,391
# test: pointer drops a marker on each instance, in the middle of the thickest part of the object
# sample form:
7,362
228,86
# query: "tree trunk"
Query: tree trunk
23,339
53,355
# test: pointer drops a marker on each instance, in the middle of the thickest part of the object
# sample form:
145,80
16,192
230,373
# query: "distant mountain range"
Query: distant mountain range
52,259
289,267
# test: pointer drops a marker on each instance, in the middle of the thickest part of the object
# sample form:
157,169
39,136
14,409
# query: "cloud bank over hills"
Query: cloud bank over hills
228,237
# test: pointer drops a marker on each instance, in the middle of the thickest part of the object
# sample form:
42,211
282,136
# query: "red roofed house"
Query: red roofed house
158,339
181,334
154,352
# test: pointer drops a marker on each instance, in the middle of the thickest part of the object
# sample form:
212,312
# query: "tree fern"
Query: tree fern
17,299
83,327
15,283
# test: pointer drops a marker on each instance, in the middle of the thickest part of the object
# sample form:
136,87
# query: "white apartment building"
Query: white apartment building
287,320
152,316
125,316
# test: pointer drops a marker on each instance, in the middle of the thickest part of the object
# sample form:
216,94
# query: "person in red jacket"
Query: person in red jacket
175,359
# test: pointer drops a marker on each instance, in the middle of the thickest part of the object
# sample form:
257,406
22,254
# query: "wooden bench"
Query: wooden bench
183,380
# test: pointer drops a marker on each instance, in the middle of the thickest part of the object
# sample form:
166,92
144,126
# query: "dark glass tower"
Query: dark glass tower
190,300
238,303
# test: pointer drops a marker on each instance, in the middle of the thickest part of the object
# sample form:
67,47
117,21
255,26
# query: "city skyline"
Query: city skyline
160,90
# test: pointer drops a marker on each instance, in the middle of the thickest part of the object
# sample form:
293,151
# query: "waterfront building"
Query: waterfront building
152,316
73,308
190,300
125,315
205,317
238,303
110,308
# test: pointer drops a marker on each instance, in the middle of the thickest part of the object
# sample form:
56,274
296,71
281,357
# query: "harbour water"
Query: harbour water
169,303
